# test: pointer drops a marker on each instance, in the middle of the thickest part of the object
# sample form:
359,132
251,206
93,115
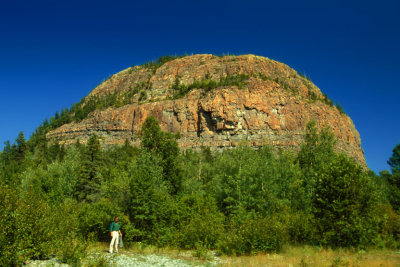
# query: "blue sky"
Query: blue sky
53,53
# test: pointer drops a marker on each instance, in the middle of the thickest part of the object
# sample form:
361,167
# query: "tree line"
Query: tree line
54,199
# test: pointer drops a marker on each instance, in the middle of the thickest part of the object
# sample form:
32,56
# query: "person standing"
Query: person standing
115,234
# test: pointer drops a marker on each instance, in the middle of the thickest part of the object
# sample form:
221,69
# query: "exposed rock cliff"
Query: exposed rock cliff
270,104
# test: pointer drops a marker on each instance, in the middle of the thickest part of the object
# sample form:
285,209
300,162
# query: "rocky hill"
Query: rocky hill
212,101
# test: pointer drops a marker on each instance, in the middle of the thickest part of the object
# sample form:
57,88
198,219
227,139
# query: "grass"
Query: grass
301,256
315,256
140,249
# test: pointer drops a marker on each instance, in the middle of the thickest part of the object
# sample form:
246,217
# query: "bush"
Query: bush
201,224
252,234
73,251
27,230
8,211
389,236
301,227
95,219
344,204
34,227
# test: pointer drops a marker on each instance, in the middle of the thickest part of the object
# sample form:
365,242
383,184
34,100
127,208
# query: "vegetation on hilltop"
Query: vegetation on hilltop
56,199
208,84
155,64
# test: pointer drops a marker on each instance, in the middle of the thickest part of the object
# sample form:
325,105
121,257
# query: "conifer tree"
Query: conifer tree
6,155
163,144
393,178
21,148
394,160
7,163
89,181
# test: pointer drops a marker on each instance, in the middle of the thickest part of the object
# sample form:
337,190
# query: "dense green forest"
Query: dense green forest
56,199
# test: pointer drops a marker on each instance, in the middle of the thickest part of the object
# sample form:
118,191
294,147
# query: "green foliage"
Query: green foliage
99,261
21,148
73,251
155,64
10,167
208,84
263,77
343,204
27,230
256,180
283,83
94,219
201,225
163,145
318,146
327,101
313,96
300,226
392,186
57,180
344,196
150,205
394,160
81,110
393,179
390,227
143,96
54,200
89,181
8,213
340,108
33,227
250,233
301,74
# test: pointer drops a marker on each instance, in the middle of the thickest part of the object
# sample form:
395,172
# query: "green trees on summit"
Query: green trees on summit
208,84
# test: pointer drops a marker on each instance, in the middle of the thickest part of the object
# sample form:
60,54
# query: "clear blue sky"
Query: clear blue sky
53,53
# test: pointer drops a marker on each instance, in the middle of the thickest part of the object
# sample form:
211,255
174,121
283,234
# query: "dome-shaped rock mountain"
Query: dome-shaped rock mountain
212,101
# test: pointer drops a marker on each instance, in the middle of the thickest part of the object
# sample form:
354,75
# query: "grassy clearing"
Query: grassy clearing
291,256
313,256
140,249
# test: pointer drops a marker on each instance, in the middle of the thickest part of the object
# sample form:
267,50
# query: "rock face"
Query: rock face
272,107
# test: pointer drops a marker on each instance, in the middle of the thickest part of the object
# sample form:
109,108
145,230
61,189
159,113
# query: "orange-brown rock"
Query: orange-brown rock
273,107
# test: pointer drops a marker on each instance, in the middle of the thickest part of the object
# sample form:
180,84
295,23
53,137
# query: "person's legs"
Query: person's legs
116,242
113,241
